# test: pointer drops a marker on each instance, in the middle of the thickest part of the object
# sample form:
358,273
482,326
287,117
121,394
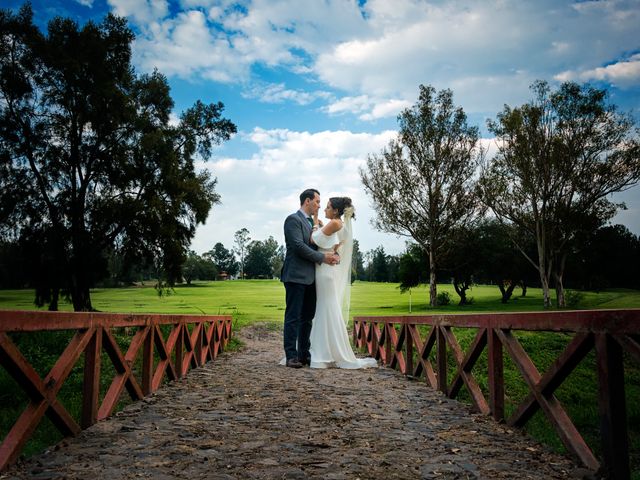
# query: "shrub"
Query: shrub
573,298
443,298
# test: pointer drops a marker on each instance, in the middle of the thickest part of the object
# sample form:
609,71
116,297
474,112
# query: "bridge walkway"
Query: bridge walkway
244,416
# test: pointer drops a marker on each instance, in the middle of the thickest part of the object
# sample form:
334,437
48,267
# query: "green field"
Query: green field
254,301
263,300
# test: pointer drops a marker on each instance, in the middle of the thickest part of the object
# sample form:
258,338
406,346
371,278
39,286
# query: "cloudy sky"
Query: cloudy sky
314,86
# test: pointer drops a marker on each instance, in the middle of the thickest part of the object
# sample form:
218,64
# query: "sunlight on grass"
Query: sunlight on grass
263,300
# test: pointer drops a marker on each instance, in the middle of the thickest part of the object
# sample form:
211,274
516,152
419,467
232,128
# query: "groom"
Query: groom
298,275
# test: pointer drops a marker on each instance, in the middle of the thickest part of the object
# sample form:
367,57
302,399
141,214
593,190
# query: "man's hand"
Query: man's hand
331,258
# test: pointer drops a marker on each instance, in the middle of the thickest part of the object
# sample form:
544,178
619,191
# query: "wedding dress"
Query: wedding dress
330,345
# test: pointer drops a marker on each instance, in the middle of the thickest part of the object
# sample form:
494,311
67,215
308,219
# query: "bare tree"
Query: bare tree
422,184
559,157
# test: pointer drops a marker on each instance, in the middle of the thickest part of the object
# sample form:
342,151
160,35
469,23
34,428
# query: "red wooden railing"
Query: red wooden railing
175,354
398,343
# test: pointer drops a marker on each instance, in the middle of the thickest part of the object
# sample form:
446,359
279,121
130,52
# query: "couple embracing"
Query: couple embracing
317,280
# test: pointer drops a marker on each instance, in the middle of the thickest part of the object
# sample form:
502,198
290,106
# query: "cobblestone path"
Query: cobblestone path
244,416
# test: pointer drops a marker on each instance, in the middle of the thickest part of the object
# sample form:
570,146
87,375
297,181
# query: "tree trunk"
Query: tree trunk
55,295
558,276
433,290
81,298
80,295
545,291
560,300
506,292
461,289
544,270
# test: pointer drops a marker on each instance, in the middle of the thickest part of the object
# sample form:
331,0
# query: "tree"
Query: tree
499,260
378,268
223,259
412,267
559,157
260,257
610,258
462,260
357,259
242,239
422,183
88,155
198,267
277,261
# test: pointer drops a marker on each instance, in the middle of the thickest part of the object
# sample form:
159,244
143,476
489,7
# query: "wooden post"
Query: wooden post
496,375
613,416
388,343
179,349
91,382
442,359
147,360
408,340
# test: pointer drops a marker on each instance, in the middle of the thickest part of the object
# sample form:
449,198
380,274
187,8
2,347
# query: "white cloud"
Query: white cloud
367,108
278,93
623,73
389,108
86,3
259,192
349,105
186,47
488,52
220,41
140,11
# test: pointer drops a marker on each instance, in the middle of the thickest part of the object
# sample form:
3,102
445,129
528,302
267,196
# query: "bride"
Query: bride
330,345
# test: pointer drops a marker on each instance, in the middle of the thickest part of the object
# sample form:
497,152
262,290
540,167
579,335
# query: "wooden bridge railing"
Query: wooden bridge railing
398,343
192,340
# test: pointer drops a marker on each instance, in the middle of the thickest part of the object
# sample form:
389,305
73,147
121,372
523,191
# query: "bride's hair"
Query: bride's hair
341,204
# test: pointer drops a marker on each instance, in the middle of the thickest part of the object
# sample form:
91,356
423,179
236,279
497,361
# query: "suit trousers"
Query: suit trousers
298,317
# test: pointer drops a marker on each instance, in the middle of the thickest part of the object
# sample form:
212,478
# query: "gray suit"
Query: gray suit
301,257
298,275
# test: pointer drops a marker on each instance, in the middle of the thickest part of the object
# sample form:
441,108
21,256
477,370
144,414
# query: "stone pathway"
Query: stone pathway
243,416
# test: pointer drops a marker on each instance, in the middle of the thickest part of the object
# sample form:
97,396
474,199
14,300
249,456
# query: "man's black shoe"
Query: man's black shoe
305,361
294,363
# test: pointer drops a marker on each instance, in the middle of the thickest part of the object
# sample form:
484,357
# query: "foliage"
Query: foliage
461,260
573,298
89,159
500,261
444,299
412,267
422,183
264,259
223,259
380,266
198,268
609,258
559,158
357,259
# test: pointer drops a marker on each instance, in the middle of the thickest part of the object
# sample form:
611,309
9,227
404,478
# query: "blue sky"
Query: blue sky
314,86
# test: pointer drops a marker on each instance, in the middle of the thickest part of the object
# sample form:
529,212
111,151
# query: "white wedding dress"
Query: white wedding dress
330,345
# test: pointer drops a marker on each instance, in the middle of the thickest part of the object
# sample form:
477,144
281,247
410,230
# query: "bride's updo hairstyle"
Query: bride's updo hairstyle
343,204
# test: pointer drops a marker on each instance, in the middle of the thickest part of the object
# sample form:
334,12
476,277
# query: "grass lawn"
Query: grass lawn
253,301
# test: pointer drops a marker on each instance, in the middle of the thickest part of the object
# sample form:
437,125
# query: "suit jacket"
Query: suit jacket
301,257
